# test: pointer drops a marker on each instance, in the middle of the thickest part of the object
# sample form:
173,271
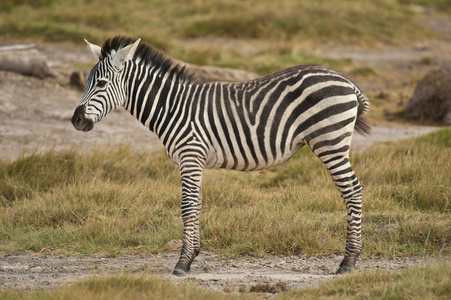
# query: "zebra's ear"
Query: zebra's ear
125,54
96,50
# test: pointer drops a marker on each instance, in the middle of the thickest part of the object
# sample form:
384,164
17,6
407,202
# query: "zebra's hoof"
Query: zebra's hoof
343,270
178,272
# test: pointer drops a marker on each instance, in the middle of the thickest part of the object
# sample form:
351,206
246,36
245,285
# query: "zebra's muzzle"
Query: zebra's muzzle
79,120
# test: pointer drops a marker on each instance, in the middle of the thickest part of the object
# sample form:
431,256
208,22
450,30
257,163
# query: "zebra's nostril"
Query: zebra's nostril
78,118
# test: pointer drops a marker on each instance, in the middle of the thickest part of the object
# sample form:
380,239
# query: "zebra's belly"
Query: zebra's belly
256,161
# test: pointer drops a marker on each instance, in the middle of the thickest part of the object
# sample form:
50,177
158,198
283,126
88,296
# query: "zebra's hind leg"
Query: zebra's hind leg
337,162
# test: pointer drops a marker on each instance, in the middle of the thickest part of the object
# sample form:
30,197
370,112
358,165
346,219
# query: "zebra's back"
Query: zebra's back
261,123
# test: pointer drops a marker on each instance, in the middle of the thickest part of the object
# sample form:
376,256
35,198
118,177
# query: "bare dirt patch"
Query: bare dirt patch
32,271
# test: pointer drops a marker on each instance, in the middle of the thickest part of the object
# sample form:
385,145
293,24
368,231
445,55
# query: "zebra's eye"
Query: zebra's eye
101,83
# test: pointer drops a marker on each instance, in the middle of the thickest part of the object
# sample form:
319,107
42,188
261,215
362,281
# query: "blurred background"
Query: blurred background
385,46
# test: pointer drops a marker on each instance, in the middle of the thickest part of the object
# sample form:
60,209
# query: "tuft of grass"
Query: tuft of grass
123,286
425,282
363,71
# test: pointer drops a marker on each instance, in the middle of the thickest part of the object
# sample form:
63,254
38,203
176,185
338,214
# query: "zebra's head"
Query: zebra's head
105,87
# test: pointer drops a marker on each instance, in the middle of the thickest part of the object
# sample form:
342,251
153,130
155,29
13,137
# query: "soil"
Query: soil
35,116
271,274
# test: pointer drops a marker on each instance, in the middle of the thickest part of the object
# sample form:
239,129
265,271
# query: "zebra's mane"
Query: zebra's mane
149,55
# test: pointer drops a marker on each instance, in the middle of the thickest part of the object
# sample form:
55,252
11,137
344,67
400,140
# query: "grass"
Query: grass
116,201
279,34
262,20
123,286
425,282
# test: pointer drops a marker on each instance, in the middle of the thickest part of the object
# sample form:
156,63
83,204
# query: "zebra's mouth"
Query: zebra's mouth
88,127
80,122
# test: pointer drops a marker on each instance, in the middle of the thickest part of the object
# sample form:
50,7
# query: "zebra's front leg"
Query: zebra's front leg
191,206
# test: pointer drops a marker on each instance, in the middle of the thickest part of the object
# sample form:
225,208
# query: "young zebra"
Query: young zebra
241,126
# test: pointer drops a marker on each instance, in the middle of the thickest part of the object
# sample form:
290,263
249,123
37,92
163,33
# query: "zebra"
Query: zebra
246,126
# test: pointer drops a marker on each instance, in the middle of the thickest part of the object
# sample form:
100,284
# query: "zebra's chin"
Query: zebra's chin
87,127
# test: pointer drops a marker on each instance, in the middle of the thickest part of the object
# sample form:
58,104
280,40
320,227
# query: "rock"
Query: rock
432,97
77,79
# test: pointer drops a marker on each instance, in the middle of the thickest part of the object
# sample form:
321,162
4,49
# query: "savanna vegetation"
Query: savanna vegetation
116,201
278,34
113,201
163,20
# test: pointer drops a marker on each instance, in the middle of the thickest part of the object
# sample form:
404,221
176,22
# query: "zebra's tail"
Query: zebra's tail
361,124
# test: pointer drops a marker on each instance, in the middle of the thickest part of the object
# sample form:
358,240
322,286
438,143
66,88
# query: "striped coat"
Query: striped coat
243,126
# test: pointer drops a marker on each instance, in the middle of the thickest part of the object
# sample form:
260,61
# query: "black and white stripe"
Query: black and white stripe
242,126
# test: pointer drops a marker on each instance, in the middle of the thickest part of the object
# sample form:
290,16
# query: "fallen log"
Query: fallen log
26,60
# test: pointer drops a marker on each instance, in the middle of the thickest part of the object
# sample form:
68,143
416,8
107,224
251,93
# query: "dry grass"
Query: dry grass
361,22
118,201
124,286
278,31
426,282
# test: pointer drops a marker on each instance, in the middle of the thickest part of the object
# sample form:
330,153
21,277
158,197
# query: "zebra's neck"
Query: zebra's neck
154,95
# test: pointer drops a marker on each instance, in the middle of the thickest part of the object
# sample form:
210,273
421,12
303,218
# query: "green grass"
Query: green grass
347,21
117,201
279,34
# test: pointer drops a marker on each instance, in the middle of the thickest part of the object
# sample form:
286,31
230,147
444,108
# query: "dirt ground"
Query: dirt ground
35,115
271,274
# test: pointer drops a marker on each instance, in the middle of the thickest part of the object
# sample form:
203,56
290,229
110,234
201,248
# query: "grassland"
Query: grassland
163,20
280,33
115,201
